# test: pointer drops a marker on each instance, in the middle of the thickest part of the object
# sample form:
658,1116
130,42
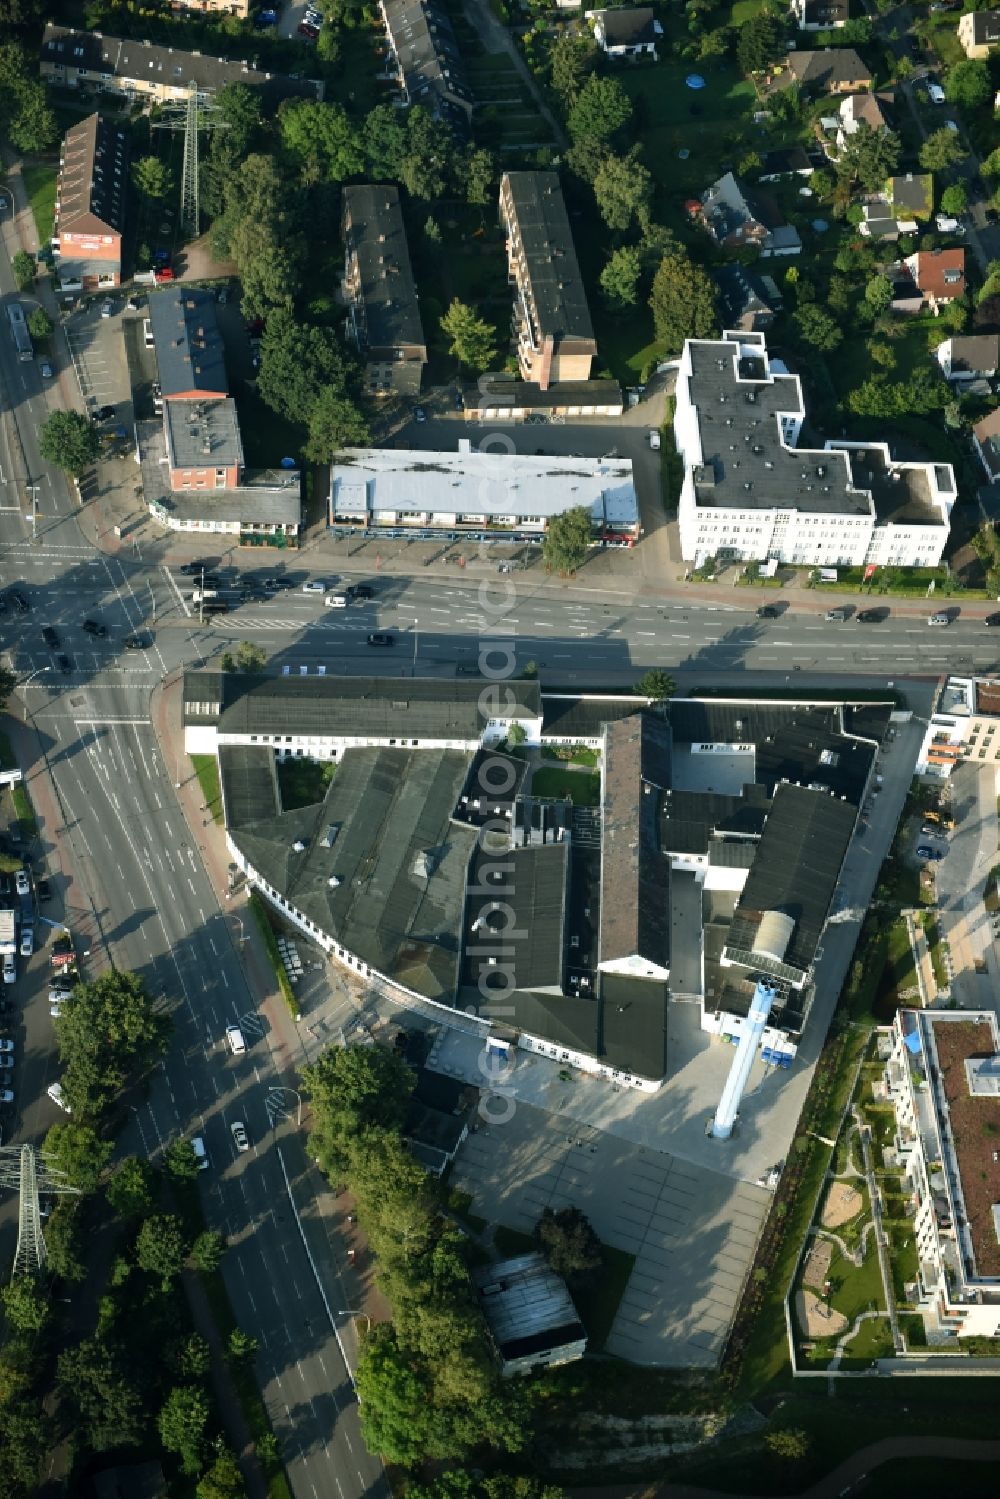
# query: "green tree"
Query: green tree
682,300
516,735
357,1088
567,538
180,1161
942,149
63,1243
955,199
208,1251
869,157
397,1415
182,1423
968,84
39,324
26,1304
31,125
758,42
240,107
160,1247
473,340
878,293
430,149
601,110
153,177
623,189
432,230
69,441
194,1357
250,658
480,177
918,395
656,685
620,277
297,363
570,1244
130,1190
94,1385
817,328
572,59
223,1480
383,137
108,1035
321,140
335,423
24,268
242,1346
25,1437
78,1150
788,1442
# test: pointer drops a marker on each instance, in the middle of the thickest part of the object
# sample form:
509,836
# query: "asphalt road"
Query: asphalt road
151,905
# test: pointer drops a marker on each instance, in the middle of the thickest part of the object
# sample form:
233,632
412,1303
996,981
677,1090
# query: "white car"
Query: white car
239,1133
6,1095
234,1036
654,439
6,1044
27,942
946,224
22,883
939,619
107,308
935,93
55,1011
55,1092
9,969
315,587
336,601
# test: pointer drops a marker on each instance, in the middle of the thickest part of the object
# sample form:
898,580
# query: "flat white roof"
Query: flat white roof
367,480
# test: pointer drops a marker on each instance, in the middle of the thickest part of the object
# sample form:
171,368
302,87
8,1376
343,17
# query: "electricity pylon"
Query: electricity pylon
28,1170
190,115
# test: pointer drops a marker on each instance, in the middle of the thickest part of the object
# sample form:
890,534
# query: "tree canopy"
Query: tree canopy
620,277
321,140
682,300
656,684
968,83
869,157
566,541
473,340
600,110
942,149
570,1244
93,1381
70,441
107,1034
153,177
623,189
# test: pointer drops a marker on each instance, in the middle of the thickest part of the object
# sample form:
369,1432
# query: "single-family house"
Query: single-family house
747,302
860,111
979,31
969,356
939,275
986,441
736,218
832,70
821,15
911,196
790,161
629,32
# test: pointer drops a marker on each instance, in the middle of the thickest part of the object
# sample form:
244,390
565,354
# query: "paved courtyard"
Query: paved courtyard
961,884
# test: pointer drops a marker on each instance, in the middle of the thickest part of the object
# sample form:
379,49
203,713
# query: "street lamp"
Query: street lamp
348,1311
239,923
37,672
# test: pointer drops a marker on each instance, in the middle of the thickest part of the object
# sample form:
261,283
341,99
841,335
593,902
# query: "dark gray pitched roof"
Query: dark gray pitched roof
829,68
974,352
93,177
986,28
741,292
565,716
628,26
189,350
125,59
534,940
429,58
635,875
388,311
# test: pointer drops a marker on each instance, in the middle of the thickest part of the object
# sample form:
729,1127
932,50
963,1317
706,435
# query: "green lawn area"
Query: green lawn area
855,1289
935,943
850,364
663,110
571,754
902,1255
303,783
898,974
206,768
40,185
598,1304
23,810
582,786
263,920
872,1340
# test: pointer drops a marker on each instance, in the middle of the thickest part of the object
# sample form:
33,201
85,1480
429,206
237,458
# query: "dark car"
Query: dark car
215,606
212,580
3,604
43,890
380,639
136,642
277,585
871,616
992,216
360,591
193,568
993,619
21,605
51,637
94,627
65,664
255,596
105,413
924,851
767,611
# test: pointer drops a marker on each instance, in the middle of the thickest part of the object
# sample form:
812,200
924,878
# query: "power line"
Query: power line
29,1172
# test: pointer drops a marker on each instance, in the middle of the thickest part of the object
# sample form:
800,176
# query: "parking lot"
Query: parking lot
98,354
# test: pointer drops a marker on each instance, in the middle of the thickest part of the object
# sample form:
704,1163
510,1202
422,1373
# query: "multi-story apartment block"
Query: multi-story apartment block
141,72
552,326
90,205
979,32
751,494
380,291
239,8
426,61
942,1075
965,725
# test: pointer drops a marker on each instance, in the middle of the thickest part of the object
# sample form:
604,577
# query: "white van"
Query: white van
55,1092
234,1036
336,601
147,333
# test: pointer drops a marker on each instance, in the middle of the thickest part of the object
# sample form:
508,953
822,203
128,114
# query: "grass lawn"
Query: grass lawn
582,786
23,810
40,185
598,1304
206,768
571,754
902,1256
932,931
898,974
303,783
873,1340
263,920
664,108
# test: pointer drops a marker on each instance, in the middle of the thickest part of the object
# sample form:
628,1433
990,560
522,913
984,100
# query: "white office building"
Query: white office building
751,494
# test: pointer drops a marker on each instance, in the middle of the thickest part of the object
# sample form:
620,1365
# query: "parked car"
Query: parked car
939,619
924,851
46,370
6,1044
95,628
654,439
935,93
107,308
55,1092
136,642
200,1153
6,1095
235,1040
43,890
6,1063
239,1133
379,638
359,592
64,663
871,616
835,616
51,637
21,882
420,415
767,611
993,619
315,586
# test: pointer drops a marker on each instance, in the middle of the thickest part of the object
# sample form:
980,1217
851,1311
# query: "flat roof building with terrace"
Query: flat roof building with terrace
553,331
965,726
751,494
942,1076
91,196
380,291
